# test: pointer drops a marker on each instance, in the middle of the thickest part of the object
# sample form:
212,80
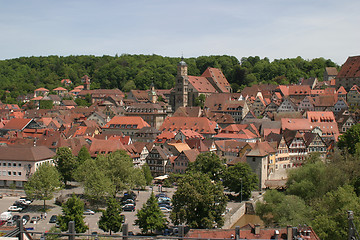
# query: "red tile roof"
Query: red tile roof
201,84
41,90
341,90
351,68
123,121
201,124
60,89
100,146
17,123
218,78
295,124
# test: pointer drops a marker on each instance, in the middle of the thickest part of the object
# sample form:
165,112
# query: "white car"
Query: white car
14,209
89,212
164,209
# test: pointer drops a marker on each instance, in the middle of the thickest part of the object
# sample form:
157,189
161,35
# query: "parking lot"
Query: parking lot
43,225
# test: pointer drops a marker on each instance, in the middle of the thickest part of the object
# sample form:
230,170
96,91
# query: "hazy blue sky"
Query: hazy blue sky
265,28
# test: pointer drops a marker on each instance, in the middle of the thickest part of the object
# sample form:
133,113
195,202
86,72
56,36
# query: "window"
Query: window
9,173
14,164
14,173
19,165
9,164
253,159
19,173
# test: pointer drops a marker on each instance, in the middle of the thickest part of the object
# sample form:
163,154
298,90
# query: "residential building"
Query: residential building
349,74
124,125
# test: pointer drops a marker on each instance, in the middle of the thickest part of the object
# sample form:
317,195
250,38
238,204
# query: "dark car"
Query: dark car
129,201
26,219
15,218
129,208
161,195
53,219
129,195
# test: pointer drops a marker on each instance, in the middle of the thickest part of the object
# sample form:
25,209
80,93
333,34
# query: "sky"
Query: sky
276,29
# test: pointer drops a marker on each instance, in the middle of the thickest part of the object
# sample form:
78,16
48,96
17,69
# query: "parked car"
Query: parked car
24,201
89,212
35,219
25,219
129,195
15,209
53,219
20,204
168,206
15,218
164,200
129,201
129,208
164,209
162,195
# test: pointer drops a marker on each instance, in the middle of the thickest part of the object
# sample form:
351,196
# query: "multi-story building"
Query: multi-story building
18,163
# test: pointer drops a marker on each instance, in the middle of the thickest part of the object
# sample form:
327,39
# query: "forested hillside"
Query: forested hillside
23,75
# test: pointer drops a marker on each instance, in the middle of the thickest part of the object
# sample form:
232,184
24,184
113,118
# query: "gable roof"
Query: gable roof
218,77
201,84
198,124
17,123
350,68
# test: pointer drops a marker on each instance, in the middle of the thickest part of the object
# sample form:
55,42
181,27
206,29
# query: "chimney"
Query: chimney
257,229
276,234
289,232
237,233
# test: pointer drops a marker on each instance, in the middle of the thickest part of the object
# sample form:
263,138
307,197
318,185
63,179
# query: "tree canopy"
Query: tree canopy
23,75
72,210
241,179
198,202
208,163
150,217
111,219
65,163
43,183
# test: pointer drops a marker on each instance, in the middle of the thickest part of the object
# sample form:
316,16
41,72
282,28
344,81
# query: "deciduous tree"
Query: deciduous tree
210,164
198,202
65,163
241,179
43,183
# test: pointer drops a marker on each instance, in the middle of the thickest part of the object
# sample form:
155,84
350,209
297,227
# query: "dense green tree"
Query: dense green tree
200,100
198,202
23,75
350,139
43,183
83,155
330,213
208,163
147,174
111,219
280,209
72,210
46,104
97,184
313,180
65,163
241,179
119,167
150,217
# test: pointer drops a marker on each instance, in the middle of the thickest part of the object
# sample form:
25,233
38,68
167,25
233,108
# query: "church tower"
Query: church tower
152,94
86,81
181,86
